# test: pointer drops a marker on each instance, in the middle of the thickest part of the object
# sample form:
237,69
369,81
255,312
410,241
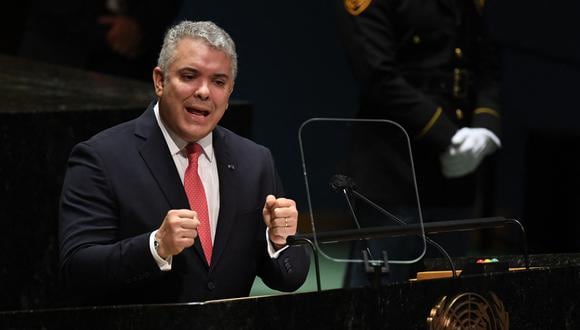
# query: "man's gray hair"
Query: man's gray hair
207,31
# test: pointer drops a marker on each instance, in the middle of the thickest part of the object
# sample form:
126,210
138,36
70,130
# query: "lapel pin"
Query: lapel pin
232,166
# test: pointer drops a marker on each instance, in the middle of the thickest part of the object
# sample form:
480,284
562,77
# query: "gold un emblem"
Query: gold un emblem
469,311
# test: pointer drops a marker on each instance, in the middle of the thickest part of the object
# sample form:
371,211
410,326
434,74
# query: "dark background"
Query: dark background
292,67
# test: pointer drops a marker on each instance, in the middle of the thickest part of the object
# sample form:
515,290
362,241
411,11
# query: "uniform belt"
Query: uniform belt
456,83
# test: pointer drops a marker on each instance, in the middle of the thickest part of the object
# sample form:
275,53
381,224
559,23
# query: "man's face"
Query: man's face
194,92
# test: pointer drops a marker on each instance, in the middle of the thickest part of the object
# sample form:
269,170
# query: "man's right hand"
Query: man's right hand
177,232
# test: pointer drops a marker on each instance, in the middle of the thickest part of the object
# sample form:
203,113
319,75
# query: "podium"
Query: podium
544,297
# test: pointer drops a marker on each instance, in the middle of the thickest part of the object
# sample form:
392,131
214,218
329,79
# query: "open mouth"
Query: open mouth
197,112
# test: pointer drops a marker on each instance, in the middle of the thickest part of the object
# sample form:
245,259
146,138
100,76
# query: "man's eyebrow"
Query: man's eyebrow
221,75
187,69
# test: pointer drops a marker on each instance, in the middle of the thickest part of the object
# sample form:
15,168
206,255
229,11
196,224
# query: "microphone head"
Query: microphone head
340,182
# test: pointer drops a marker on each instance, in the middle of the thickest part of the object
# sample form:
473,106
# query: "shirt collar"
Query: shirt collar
177,145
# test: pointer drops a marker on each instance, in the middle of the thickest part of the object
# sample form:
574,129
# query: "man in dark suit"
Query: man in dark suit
131,229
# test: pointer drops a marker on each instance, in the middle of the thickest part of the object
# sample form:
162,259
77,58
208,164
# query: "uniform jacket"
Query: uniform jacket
426,64
118,188
429,66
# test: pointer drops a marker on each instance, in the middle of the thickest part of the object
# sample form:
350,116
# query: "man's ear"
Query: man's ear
158,80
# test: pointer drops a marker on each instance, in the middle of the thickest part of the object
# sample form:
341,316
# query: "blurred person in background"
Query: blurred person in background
118,37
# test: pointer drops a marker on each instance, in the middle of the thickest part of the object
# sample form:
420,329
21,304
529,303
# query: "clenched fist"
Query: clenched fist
177,232
281,217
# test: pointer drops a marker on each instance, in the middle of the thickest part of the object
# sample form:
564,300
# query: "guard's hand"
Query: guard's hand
467,149
281,217
177,232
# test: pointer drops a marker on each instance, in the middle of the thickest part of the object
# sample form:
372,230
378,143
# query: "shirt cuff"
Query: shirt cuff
271,251
164,264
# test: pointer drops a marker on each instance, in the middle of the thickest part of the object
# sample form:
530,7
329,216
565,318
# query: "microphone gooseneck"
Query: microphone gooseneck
346,184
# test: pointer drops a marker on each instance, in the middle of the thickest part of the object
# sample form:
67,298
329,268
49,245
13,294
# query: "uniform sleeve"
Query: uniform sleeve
370,42
487,110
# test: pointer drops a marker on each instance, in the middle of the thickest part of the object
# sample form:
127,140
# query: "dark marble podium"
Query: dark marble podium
44,111
545,297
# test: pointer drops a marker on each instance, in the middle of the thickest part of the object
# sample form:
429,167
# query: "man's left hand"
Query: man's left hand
281,217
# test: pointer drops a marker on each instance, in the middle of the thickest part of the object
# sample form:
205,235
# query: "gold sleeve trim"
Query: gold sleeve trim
431,122
488,111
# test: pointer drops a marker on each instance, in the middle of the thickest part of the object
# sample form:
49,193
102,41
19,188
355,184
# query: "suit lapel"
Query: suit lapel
226,166
156,156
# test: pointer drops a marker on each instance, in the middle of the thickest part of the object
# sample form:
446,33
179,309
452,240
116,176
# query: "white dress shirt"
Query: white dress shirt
207,170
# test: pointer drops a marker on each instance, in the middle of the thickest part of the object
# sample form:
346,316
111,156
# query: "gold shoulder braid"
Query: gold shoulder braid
355,7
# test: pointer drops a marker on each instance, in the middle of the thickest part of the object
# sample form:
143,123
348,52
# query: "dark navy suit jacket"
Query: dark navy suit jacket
118,188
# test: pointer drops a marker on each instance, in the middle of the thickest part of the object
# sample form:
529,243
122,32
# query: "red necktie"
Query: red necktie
196,197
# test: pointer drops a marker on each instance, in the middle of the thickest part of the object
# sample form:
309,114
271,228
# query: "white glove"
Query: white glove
468,148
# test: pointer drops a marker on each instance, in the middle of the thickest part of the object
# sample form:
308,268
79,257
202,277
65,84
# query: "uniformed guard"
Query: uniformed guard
427,65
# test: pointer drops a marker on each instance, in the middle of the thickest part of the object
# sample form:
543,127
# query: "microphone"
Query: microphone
341,182
346,184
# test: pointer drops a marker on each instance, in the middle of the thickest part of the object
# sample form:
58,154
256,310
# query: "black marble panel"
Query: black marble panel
33,87
535,299
44,111
34,149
